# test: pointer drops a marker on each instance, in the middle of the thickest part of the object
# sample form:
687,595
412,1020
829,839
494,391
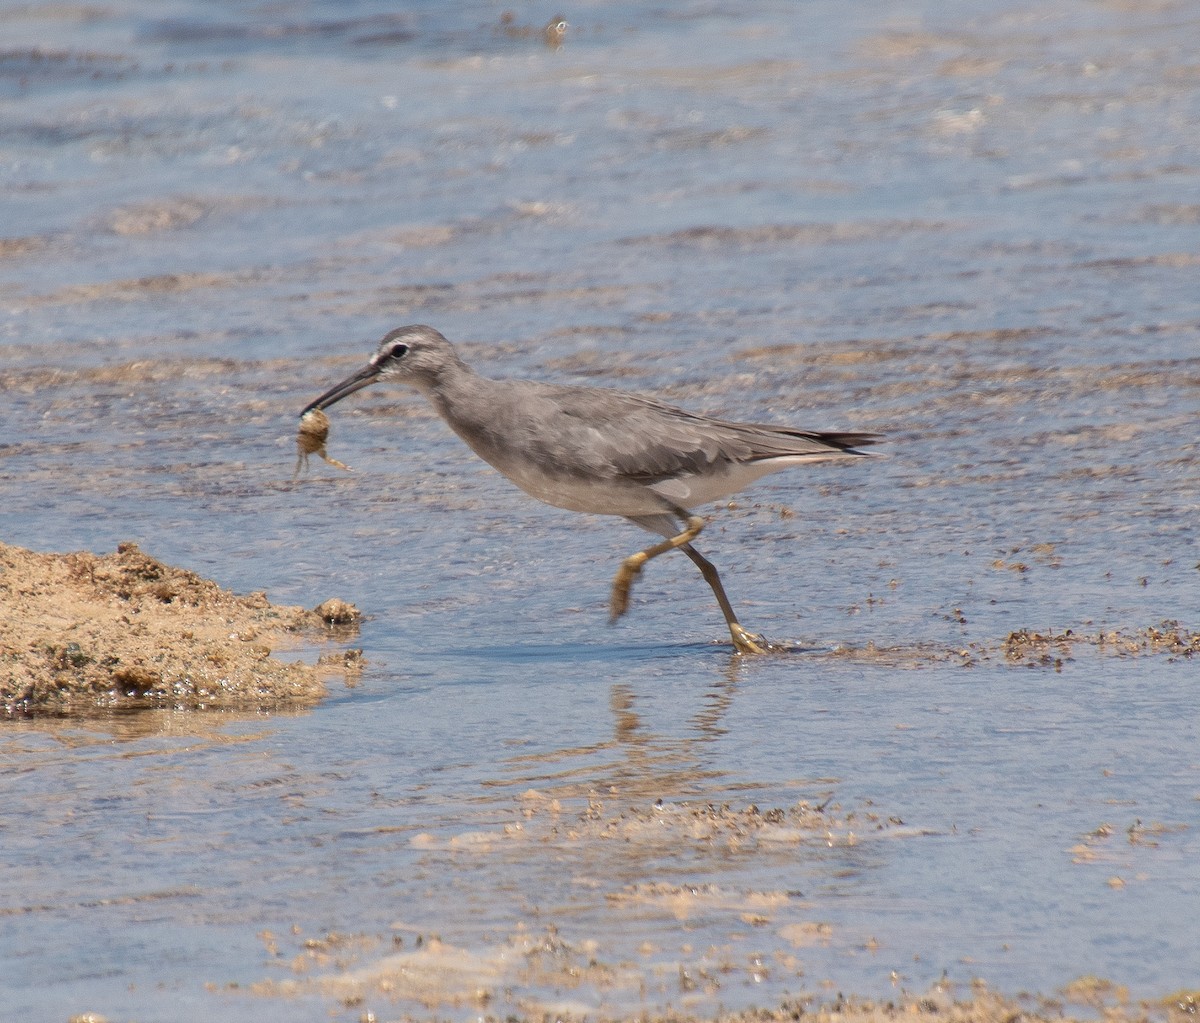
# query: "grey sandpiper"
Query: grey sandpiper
598,450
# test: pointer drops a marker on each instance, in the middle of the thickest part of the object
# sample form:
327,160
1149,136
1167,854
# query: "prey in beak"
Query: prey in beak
314,424
392,360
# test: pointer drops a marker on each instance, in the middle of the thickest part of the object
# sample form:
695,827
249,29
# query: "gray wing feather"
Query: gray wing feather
637,437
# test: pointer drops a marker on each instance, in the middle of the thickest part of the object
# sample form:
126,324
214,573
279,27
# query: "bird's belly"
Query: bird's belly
692,491
597,497
629,497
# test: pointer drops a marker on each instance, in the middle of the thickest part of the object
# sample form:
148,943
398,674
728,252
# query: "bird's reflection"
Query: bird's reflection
637,762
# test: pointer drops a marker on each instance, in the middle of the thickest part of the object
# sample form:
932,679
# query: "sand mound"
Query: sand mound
83,632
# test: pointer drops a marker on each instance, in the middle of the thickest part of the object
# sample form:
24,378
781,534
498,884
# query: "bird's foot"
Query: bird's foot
747,642
630,569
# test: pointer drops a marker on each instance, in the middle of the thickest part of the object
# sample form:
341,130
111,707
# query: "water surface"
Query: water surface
970,228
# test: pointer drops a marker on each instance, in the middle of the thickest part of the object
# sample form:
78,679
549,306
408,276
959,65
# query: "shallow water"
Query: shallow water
969,228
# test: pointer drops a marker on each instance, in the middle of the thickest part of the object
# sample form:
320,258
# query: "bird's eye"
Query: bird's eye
398,351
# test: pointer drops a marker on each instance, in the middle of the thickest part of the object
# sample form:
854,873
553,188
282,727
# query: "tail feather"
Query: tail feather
773,442
849,441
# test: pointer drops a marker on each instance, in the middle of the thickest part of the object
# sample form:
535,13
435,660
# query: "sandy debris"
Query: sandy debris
1170,637
83,633
574,979
1037,648
663,827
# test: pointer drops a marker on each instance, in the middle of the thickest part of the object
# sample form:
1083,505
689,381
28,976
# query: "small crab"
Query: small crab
310,440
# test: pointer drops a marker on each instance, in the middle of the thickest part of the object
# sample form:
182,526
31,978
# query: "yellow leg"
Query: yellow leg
744,642
632,565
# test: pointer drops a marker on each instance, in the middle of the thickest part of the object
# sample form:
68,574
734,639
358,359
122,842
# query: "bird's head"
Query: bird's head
416,355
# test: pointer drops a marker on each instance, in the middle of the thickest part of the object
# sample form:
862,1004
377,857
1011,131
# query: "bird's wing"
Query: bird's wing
643,439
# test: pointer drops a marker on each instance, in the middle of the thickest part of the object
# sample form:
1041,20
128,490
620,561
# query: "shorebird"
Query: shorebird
598,450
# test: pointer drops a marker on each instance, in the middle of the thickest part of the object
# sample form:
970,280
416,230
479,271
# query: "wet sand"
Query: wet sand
85,634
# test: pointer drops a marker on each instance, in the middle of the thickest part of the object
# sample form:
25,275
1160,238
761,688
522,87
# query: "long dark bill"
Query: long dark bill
363,378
